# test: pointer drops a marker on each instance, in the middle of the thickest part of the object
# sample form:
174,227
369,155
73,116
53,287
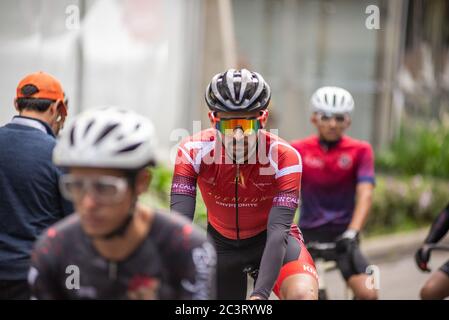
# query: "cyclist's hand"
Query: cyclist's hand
347,241
422,257
255,298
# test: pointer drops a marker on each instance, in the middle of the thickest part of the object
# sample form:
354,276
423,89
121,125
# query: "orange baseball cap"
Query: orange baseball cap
48,87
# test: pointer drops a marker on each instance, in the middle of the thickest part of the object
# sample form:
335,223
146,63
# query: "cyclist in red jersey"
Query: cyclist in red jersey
337,185
250,183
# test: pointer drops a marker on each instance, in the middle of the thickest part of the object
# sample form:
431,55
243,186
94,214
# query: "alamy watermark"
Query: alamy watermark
372,22
72,20
216,148
72,281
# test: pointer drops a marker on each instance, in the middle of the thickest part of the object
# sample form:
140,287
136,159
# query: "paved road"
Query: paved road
399,278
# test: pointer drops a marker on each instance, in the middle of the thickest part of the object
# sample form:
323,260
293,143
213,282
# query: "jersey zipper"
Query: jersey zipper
112,270
237,180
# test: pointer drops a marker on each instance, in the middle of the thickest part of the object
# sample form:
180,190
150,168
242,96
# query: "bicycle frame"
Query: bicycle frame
320,251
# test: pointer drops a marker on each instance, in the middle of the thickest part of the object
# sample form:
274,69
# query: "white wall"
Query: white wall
135,54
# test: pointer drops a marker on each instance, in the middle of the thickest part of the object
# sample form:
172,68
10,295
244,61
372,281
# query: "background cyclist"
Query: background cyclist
337,185
437,286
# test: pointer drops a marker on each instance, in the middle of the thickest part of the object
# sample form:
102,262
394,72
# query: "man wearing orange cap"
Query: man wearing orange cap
29,196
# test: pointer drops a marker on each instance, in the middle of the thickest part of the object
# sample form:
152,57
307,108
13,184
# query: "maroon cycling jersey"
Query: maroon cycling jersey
330,179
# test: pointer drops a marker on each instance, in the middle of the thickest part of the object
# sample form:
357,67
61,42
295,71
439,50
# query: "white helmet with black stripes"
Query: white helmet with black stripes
107,137
238,90
332,100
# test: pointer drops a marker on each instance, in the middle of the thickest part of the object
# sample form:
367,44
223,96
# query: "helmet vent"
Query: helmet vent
130,148
105,132
72,136
88,128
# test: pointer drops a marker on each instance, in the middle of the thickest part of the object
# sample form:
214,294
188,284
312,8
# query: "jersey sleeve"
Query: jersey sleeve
287,165
183,187
187,167
42,275
439,227
279,222
365,168
198,275
186,163
190,258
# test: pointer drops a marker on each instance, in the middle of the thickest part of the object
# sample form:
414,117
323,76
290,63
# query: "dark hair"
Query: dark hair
40,105
131,175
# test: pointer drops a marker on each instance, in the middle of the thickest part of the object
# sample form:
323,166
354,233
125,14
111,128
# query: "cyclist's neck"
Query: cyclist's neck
121,247
328,144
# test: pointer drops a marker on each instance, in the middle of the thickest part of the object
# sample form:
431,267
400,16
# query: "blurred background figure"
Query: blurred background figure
437,286
30,200
337,186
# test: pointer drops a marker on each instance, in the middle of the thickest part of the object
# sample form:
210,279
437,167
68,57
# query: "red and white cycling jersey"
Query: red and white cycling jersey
238,197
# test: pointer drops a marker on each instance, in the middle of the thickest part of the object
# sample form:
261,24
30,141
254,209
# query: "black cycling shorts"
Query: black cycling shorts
349,264
235,256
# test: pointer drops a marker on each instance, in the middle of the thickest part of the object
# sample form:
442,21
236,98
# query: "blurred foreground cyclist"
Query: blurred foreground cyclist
337,183
250,181
437,286
114,248
30,200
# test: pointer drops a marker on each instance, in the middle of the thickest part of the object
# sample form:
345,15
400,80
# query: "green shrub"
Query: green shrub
159,193
401,203
421,148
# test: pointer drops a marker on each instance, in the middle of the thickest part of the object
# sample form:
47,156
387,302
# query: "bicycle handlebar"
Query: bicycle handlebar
321,246
428,248
437,247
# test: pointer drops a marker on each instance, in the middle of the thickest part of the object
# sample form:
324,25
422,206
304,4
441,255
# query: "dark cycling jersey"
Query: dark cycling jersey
175,261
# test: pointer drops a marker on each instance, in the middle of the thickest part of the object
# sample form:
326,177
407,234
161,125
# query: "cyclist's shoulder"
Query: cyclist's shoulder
199,140
272,140
170,228
16,132
349,142
276,144
206,135
65,231
306,142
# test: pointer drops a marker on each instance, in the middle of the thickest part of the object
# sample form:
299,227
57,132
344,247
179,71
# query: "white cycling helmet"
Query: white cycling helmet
332,100
107,137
